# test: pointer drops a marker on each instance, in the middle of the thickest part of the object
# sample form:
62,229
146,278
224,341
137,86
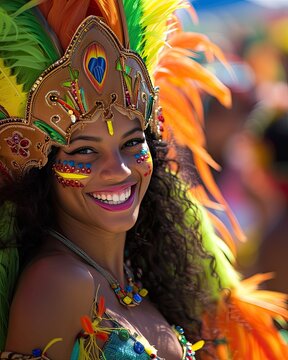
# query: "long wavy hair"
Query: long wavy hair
162,243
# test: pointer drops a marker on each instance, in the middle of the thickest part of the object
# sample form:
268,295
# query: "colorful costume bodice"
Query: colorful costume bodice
119,344
122,345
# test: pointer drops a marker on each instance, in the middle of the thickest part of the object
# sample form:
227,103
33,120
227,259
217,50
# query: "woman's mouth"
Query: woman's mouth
115,200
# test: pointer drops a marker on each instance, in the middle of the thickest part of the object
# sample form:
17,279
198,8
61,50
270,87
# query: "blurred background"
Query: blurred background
250,140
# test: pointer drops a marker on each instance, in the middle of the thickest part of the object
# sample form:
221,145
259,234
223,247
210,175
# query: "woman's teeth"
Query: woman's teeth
113,198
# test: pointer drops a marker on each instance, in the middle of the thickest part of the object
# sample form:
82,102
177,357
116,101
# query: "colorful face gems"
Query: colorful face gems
145,156
69,174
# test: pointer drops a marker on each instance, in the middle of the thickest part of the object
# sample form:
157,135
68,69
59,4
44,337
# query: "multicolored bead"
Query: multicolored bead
189,349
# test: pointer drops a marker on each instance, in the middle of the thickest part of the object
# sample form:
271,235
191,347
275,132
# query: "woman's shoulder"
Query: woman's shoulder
57,271
58,279
53,293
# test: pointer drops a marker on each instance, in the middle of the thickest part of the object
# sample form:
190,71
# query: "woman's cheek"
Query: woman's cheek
144,159
69,173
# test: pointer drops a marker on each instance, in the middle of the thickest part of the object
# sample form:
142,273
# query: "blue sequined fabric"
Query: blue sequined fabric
122,346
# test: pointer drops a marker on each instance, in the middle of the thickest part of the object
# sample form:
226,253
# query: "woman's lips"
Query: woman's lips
119,200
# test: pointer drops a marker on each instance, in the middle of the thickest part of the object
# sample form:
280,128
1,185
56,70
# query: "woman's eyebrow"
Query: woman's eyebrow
87,138
99,139
130,132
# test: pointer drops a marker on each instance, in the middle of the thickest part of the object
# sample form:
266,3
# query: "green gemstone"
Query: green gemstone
123,335
53,134
149,107
67,83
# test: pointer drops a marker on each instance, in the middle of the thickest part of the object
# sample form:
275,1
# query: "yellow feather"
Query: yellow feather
155,21
12,97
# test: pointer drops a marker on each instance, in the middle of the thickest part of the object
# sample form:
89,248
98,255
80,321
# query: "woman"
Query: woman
89,159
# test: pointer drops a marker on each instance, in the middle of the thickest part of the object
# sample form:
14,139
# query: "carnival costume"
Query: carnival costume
110,64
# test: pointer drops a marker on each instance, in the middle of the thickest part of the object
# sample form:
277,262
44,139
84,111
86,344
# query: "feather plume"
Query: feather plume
149,22
180,97
64,16
25,51
12,96
244,318
134,10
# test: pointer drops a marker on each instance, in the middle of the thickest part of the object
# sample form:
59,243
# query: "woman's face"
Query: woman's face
101,179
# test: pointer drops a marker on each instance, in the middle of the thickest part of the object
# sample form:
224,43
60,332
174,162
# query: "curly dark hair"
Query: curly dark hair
172,246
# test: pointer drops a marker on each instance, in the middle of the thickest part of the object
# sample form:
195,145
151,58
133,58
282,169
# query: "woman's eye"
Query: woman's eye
82,151
134,142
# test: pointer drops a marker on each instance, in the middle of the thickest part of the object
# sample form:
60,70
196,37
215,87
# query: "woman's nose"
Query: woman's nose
114,168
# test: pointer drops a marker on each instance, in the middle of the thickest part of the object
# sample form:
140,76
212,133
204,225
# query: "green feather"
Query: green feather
134,13
25,44
9,266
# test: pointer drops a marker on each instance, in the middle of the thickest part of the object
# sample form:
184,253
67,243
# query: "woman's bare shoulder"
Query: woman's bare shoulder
58,274
53,293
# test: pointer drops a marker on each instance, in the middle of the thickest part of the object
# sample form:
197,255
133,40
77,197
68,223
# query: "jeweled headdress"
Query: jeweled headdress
95,76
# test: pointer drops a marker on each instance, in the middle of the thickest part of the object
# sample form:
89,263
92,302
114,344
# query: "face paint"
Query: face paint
69,174
145,156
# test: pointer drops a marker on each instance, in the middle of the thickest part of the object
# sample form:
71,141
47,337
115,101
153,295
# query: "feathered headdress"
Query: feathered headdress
36,40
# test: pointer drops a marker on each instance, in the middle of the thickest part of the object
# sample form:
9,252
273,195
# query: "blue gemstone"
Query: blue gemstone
129,288
138,347
88,165
80,165
97,67
65,162
72,163
137,156
36,352
143,152
137,298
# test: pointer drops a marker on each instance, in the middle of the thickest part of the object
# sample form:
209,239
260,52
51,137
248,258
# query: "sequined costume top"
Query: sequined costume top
119,344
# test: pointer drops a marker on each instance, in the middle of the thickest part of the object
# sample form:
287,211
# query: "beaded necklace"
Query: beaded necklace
131,295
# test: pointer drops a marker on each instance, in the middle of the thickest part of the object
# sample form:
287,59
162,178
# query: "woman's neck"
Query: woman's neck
105,248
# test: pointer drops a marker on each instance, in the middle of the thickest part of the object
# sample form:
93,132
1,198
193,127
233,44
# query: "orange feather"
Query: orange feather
101,306
87,325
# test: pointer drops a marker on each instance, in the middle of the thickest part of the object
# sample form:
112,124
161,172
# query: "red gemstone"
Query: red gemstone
24,143
23,152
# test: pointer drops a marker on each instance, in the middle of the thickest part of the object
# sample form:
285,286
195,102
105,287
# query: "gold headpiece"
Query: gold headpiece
95,76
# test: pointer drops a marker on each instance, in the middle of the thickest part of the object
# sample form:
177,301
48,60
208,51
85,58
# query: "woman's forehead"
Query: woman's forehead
122,124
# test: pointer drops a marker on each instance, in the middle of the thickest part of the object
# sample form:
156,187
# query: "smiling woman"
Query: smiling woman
105,255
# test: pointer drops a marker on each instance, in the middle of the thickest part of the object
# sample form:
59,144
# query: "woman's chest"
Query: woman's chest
148,331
